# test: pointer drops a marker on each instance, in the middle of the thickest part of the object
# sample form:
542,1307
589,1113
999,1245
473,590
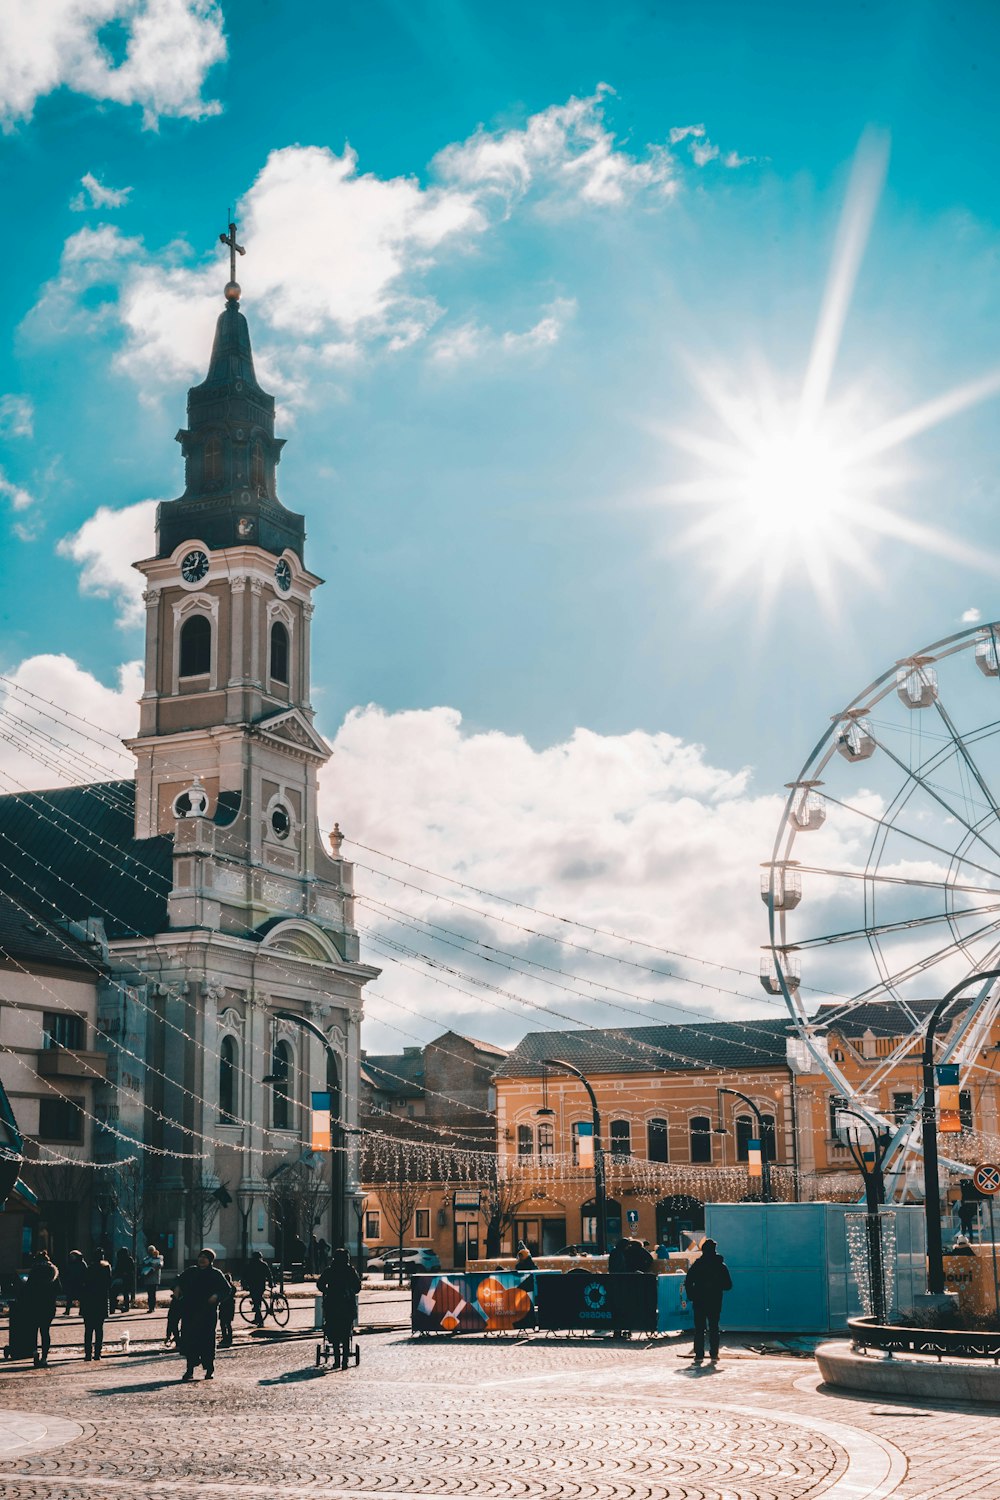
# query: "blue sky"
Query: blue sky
500,262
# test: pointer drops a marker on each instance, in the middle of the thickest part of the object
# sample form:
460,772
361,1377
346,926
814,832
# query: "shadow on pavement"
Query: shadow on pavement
308,1372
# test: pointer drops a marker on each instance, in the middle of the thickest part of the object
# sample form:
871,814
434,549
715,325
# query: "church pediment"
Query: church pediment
292,730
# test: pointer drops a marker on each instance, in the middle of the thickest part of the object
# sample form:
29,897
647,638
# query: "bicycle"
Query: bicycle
273,1304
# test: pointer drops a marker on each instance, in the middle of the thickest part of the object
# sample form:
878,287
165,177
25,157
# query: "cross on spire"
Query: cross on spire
234,249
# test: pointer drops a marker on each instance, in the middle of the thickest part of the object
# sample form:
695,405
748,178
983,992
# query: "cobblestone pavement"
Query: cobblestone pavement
494,1419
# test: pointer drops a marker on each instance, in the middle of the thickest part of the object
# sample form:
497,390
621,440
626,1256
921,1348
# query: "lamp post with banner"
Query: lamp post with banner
870,1164
600,1196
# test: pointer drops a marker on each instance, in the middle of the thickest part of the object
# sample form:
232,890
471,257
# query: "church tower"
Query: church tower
226,721
253,969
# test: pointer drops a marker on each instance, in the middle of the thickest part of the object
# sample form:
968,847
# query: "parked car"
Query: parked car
388,1261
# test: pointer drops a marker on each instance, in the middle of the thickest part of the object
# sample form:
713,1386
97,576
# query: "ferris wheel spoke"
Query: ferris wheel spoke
880,929
947,854
936,795
889,981
914,880
963,750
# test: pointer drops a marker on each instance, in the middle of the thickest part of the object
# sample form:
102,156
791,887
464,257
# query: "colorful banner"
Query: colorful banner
585,1143
321,1137
949,1105
472,1303
755,1161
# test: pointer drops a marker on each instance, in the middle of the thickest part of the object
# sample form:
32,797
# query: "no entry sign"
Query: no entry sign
986,1179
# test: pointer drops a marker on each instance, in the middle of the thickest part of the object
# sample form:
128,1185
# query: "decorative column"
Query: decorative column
150,693
308,610
237,671
256,585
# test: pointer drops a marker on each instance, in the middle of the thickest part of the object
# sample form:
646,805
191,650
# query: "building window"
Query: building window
746,1131
227,1081
422,1224
902,1104
257,465
837,1103
621,1138
525,1141
279,653
281,1067
212,462
60,1119
965,1108
373,1224
656,1140
60,1029
196,646
700,1130
546,1141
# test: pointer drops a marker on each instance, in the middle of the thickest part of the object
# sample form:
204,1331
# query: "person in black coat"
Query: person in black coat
73,1276
123,1281
202,1288
41,1297
256,1280
95,1298
339,1286
705,1283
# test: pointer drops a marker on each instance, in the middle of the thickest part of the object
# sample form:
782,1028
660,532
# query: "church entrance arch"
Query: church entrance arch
676,1214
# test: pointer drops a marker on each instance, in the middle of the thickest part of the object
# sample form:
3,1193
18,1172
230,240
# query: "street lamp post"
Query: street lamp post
600,1196
337,1128
765,1165
932,1189
874,1198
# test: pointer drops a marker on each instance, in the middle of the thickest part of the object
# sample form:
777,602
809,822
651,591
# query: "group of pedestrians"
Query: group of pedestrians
94,1286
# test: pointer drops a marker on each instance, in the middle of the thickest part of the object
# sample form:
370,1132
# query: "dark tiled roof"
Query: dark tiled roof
71,853
26,938
395,1073
880,1017
643,1049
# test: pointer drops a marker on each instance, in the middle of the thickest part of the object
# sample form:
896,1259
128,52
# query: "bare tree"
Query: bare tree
205,1197
399,1196
65,1192
503,1194
299,1195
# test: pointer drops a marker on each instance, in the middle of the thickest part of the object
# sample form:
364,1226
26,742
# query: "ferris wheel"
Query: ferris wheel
883,886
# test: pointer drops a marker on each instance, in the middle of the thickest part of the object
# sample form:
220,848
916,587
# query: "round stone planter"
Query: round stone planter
917,1364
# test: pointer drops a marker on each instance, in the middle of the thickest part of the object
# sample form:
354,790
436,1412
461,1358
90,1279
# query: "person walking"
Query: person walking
41,1294
95,1299
73,1276
705,1284
123,1281
339,1286
227,1312
257,1279
202,1288
151,1270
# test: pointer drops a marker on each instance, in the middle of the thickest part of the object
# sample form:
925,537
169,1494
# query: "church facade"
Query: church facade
225,980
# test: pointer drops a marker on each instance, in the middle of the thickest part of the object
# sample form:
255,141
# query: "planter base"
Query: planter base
912,1377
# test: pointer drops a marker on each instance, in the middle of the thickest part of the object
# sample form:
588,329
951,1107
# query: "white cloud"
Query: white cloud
566,151
19,498
106,546
60,680
971,616
635,833
167,47
702,152
340,256
17,416
682,132
702,149
96,195
470,341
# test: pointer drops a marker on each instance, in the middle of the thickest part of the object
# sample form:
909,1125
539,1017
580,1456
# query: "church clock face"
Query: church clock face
194,566
283,575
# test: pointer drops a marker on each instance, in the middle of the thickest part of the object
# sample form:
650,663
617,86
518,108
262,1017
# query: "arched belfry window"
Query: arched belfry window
227,1081
281,1068
212,461
279,653
196,646
257,465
